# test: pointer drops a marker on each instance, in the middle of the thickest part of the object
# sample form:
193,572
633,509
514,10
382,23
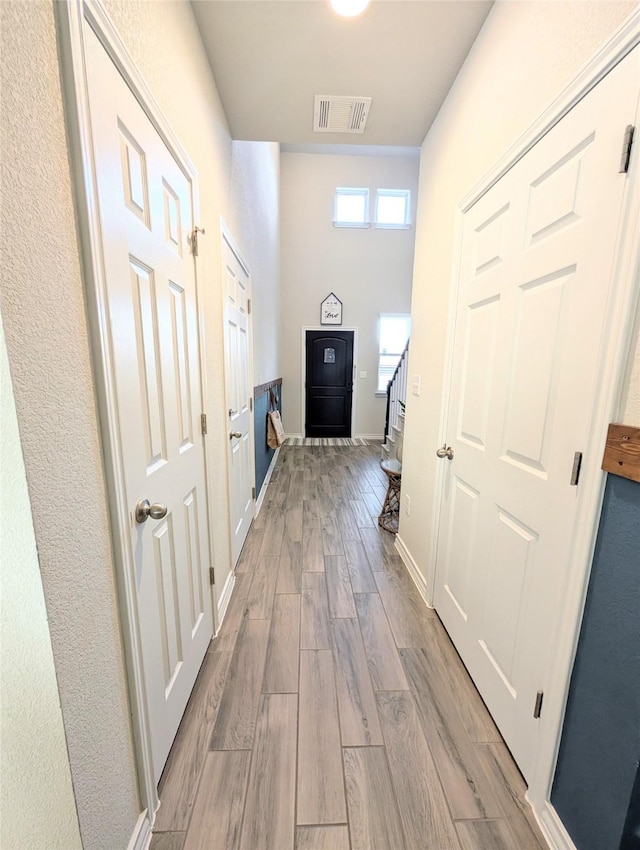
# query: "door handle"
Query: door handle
144,510
445,451
236,434
232,412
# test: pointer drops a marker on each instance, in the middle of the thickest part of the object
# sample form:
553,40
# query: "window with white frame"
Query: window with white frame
351,208
394,332
393,208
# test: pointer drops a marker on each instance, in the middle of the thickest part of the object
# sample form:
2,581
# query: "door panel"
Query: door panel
329,383
145,205
536,269
238,392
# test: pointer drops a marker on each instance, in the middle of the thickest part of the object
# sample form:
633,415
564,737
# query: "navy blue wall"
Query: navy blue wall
264,454
600,747
631,837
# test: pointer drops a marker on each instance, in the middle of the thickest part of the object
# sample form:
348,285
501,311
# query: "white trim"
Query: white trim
369,436
267,479
225,598
303,374
609,388
141,835
73,16
553,829
413,569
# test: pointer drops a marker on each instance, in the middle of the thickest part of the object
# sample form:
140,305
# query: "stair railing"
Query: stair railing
396,393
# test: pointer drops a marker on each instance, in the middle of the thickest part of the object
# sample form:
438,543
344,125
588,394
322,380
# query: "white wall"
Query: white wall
255,195
523,57
370,270
43,307
37,808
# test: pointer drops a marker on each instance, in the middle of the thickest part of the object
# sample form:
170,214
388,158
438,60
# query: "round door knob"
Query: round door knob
144,510
445,451
236,434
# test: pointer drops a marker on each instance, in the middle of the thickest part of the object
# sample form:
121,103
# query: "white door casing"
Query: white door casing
534,286
236,288
145,206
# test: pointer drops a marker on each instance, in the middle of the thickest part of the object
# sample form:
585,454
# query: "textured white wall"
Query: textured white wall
370,270
44,316
37,808
44,311
525,54
255,195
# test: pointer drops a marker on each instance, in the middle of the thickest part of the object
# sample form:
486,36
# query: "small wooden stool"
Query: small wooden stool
390,512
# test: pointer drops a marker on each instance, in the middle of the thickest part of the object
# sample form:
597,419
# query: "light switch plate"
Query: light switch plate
415,385
363,374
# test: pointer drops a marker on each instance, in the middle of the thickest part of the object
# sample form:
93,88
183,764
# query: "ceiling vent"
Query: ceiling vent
340,114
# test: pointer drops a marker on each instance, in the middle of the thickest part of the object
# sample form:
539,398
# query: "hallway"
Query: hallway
332,712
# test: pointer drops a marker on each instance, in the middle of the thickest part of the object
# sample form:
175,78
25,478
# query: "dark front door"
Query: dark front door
329,383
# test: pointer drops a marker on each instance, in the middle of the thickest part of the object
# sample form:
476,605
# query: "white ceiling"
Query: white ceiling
271,57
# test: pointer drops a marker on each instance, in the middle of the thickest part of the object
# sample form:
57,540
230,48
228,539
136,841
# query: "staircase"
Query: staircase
394,424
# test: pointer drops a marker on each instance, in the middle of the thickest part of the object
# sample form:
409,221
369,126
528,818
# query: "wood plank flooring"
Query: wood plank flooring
332,711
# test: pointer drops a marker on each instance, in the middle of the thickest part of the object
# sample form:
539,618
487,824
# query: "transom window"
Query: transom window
393,336
393,207
351,208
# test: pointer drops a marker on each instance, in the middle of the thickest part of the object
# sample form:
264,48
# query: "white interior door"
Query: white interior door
536,268
239,389
145,204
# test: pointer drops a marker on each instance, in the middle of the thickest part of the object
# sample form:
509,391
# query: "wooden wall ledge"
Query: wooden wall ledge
622,452
261,389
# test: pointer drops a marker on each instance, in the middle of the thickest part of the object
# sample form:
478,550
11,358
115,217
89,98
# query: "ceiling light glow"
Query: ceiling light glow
349,8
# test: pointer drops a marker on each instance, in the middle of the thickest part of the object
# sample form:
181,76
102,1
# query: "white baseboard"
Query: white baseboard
412,567
265,483
225,597
370,436
553,829
141,836
294,436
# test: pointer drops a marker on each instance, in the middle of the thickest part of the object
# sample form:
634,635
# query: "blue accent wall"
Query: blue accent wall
600,748
631,836
264,455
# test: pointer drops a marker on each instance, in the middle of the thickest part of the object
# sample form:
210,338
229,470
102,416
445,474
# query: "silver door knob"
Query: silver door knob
144,510
233,434
445,451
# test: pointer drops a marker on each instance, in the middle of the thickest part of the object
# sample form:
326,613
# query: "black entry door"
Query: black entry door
329,383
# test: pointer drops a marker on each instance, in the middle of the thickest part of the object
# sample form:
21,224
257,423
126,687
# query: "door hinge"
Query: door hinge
253,492
212,576
627,144
537,708
251,405
575,472
194,239
249,306
203,424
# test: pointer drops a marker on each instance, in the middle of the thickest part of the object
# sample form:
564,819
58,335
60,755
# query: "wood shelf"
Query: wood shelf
622,452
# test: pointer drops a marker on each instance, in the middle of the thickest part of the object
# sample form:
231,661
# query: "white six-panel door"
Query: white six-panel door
536,266
145,204
237,355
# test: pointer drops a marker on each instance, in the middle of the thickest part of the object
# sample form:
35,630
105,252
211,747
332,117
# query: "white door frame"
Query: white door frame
619,327
303,406
227,236
73,16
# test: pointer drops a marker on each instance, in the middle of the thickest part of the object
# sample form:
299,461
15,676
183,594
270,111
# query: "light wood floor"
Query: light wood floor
332,712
